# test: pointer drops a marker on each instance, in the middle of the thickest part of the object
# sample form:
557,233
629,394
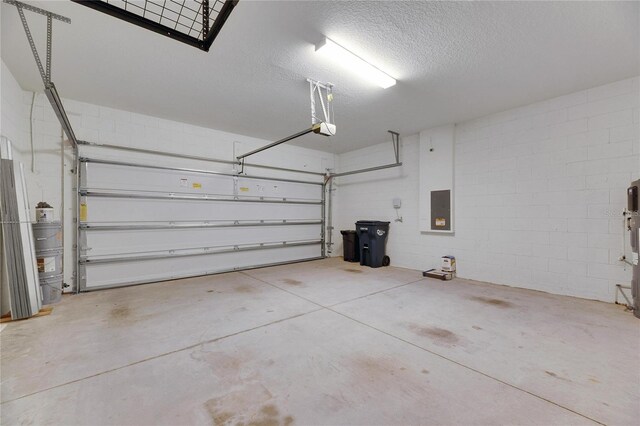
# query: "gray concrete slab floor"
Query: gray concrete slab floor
325,342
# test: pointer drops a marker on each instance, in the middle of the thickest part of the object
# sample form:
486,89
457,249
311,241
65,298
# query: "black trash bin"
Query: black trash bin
373,238
350,246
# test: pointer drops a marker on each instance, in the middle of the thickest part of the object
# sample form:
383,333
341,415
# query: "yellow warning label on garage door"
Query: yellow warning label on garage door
83,212
196,185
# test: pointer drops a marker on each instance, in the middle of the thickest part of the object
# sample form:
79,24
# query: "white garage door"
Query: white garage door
141,222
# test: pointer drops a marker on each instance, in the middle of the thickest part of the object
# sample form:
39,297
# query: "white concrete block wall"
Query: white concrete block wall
539,192
14,123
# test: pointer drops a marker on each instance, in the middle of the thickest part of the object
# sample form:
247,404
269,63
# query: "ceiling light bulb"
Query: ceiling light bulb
349,60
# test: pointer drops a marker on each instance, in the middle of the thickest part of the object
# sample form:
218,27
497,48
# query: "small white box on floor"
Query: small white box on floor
448,264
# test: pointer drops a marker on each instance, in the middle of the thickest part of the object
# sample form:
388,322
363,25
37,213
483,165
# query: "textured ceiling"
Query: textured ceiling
454,61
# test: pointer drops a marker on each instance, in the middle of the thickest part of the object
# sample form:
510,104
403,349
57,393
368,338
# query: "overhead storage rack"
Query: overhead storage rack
193,22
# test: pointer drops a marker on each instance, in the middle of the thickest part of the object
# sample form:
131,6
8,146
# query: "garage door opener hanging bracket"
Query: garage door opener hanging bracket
45,72
323,125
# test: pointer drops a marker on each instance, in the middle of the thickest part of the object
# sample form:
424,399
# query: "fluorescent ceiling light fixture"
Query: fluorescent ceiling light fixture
349,60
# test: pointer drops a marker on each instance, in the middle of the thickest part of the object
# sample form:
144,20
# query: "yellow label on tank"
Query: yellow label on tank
83,212
196,185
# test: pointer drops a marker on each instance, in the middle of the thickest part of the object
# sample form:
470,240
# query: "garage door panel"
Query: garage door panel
277,189
132,178
107,242
106,275
111,210
107,176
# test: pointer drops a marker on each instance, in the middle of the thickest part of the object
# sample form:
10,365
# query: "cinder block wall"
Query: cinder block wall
539,192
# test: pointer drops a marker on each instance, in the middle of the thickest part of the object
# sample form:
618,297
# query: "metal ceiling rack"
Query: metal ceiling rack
196,23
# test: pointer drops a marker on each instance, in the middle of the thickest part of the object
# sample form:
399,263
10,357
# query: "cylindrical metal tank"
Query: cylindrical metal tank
48,248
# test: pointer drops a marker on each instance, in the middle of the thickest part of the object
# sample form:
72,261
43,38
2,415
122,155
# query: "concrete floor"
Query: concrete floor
325,342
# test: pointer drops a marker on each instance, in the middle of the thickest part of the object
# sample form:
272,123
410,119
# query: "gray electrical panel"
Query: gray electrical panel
441,210
634,229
